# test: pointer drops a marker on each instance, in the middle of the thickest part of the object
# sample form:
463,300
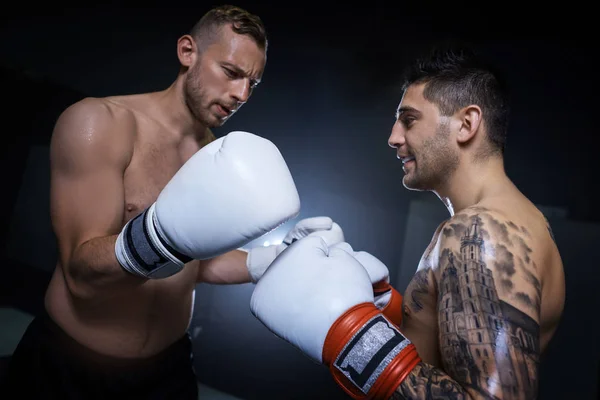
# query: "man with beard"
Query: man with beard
489,291
146,203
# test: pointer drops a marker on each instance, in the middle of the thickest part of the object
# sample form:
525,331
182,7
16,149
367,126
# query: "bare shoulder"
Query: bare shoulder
525,231
510,249
91,116
92,128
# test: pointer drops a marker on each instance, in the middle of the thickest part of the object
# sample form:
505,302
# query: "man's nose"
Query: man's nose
241,91
396,138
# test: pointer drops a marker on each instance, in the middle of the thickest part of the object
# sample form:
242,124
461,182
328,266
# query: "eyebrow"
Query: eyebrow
240,71
405,109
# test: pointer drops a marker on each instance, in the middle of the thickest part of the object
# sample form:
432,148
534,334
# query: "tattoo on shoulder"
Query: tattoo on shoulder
510,253
419,289
487,344
550,230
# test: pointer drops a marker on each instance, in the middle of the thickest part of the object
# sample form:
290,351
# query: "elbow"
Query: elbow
78,284
79,290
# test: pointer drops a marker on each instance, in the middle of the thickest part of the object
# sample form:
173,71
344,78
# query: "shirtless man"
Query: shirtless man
145,204
489,291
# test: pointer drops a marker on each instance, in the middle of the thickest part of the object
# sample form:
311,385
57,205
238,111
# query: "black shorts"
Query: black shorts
49,364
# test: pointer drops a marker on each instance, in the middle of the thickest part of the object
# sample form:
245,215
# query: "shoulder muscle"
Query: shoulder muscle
87,135
489,304
501,249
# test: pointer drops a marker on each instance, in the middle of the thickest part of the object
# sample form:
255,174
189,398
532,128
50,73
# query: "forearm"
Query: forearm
228,268
375,360
93,269
428,382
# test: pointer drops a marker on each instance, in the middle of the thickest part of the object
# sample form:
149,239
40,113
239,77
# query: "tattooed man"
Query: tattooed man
489,291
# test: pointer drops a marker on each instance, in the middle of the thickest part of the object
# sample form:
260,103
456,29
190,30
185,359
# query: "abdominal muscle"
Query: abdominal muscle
137,324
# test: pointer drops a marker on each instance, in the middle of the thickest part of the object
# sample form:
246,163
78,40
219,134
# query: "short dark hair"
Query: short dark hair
455,76
242,22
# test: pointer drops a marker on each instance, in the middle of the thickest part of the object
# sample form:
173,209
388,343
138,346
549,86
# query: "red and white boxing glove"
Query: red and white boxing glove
320,300
259,258
387,299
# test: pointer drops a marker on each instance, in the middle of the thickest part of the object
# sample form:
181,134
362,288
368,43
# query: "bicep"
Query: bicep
86,189
488,322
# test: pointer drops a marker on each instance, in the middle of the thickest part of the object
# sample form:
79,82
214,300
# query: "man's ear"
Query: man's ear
186,50
470,119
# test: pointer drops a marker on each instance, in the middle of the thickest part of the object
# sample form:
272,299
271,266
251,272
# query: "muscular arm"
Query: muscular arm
88,157
488,313
228,268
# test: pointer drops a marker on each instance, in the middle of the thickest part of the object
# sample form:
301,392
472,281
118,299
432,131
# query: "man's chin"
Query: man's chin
215,122
220,121
412,185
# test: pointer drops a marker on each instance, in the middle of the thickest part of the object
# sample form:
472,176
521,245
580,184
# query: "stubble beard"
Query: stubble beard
436,164
195,96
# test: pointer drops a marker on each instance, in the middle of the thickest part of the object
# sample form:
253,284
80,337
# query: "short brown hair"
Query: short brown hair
456,75
242,22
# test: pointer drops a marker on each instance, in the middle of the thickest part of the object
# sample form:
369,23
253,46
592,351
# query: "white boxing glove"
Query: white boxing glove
259,258
229,193
387,299
320,300
306,289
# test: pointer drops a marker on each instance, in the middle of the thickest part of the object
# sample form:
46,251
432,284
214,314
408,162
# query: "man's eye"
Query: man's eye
230,73
408,120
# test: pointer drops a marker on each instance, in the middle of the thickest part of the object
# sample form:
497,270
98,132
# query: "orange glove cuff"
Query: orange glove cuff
366,353
393,309
381,287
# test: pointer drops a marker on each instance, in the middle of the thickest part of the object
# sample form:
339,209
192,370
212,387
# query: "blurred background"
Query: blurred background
327,100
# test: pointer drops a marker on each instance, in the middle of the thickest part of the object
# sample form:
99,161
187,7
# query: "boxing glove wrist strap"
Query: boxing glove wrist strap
366,353
143,251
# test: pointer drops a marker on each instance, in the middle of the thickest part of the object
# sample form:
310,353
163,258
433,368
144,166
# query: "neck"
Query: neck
175,114
471,183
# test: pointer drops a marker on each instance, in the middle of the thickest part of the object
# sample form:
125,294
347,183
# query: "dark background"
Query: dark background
327,100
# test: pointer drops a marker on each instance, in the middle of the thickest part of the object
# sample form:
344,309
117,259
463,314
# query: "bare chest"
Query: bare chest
151,168
153,165
420,300
420,314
